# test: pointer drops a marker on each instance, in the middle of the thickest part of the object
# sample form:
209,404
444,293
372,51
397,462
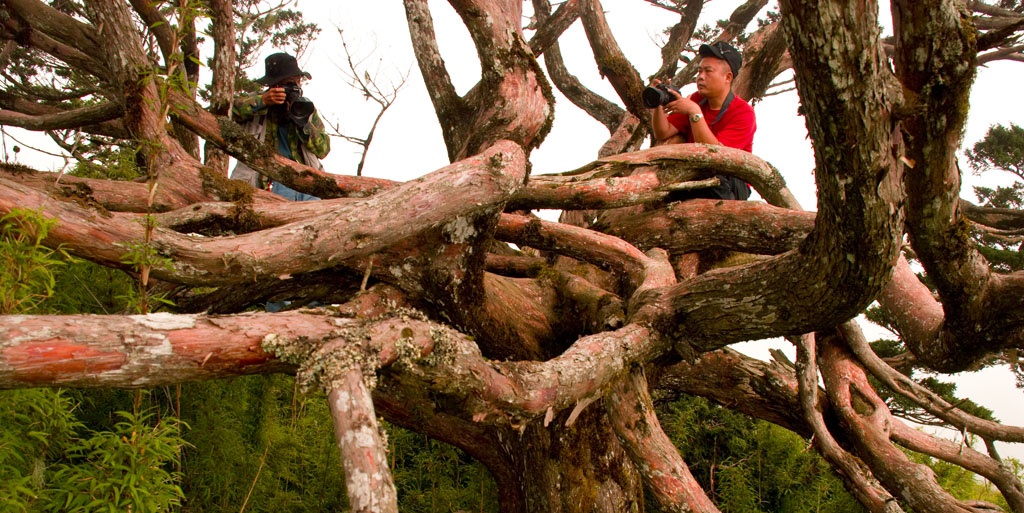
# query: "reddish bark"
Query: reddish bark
357,228
368,480
864,414
611,62
876,499
631,411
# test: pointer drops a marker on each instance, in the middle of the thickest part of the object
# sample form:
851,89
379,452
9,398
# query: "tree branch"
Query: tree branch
868,423
19,30
611,62
678,38
447,103
858,480
765,57
157,25
941,83
930,401
738,21
74,118
675,163
247,257
604,111
964,456
222,84
696,225
371,489
551,26
57,25
632,415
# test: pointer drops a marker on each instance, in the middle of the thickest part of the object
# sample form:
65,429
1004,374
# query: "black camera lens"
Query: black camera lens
300,108
656,96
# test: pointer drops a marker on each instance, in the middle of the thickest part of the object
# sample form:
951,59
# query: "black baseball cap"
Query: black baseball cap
724,51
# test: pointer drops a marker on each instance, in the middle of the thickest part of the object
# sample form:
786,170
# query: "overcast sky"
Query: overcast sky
408,142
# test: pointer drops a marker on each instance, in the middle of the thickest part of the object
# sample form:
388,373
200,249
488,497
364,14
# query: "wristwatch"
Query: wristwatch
696,117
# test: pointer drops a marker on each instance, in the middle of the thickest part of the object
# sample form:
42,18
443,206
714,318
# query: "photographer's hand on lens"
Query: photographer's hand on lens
681,105
274,96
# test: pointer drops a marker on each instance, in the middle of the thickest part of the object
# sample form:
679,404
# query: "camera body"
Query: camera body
300,108
659,95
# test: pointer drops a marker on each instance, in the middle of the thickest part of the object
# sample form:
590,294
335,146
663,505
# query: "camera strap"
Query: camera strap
725,105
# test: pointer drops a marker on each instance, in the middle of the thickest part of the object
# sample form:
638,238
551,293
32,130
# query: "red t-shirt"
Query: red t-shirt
735,129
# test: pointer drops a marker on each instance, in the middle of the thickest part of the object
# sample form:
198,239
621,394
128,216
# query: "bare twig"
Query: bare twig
263,461
369,85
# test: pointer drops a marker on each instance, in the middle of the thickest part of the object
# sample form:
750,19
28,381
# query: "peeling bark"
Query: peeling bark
632,413
862,412
368,480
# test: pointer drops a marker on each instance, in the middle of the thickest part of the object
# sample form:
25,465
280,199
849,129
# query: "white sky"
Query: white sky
408,142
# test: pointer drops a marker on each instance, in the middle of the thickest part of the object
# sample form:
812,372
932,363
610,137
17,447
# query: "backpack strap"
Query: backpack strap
725,105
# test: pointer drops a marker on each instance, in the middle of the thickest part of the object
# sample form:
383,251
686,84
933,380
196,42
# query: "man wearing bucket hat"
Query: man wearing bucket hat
712,115
284,114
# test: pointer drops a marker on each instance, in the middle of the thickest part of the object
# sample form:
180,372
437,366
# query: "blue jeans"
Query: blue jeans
290,194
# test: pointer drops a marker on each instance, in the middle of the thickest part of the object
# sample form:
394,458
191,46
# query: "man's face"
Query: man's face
290,81
714,77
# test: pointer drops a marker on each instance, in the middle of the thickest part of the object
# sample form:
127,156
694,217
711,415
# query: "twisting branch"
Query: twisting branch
964,456
765,57
74,56
868,421
165,347
738,21
678,37
674,163
512,88
58,26
447,103
550,26
858,479
606,112
249,254
579,243
158,25
973,298
74,118
636,425
930,401
611,62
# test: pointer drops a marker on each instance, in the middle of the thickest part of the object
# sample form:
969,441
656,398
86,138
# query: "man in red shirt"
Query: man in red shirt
712,115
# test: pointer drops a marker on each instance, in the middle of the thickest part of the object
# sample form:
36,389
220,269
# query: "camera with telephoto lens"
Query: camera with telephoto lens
300,108
656,96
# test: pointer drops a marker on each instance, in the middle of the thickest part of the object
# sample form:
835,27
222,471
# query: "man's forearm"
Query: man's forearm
661,126
702,132
245,108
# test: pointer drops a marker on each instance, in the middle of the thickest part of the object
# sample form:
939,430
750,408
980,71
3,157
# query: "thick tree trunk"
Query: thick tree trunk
576,467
